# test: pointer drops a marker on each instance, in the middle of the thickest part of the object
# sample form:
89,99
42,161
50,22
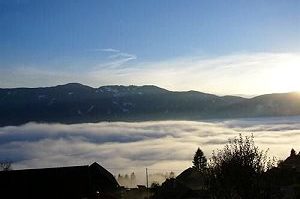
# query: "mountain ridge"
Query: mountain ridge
78,103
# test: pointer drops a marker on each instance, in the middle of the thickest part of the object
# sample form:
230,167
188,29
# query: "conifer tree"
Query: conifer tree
199,161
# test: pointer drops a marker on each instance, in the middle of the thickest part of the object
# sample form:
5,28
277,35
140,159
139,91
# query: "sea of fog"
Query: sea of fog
122,147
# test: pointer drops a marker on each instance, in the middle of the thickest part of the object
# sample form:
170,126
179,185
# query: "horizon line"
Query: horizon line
220,95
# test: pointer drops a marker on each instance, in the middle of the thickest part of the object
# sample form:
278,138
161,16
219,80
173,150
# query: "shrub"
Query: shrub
236,170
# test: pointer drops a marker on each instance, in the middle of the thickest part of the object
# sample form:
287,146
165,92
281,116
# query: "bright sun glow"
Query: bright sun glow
285,75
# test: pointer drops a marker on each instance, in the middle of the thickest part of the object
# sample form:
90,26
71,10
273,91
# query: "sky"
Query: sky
223,47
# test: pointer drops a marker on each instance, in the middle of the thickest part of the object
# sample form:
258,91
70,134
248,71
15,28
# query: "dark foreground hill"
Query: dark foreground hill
76,103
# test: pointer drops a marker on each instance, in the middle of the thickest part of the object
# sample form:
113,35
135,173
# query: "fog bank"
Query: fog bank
131,147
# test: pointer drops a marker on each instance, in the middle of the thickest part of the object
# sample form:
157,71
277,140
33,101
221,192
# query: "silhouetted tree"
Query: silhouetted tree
5,166
154,185
132,180
126,177
293,153
236,170
172,174
199,161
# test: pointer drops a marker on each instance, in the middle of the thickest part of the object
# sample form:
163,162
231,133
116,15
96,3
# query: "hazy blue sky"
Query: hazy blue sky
219,46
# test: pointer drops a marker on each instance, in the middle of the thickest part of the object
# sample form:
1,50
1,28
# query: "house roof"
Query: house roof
58,182
292,162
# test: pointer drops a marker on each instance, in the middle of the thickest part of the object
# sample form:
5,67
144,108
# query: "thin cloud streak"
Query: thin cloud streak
109,50
115,60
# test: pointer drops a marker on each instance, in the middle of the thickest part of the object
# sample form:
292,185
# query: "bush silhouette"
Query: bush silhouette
5,166
236,170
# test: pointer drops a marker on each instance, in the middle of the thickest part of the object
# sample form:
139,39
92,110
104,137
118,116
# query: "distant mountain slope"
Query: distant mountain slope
284,104
76,103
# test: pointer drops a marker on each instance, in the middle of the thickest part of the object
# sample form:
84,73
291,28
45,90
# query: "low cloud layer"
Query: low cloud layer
125,147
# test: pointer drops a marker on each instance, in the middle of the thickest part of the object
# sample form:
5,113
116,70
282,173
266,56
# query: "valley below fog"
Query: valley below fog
125,147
